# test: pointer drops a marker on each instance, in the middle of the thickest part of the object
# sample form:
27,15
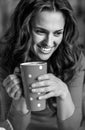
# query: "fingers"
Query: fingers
42,89
18,94
45,76
12,86
8,79
13,91
50,85
40,84
46,96
44,80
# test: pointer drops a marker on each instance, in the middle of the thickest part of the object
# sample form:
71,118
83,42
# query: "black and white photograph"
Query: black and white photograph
42,64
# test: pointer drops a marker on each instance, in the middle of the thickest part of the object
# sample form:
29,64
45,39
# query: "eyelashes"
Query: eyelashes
44,32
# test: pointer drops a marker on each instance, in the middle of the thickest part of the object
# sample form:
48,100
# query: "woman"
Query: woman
43,30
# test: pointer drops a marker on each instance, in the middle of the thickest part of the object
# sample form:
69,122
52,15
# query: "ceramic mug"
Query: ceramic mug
29,73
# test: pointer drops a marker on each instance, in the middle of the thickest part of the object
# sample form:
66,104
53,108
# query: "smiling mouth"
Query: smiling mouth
44,49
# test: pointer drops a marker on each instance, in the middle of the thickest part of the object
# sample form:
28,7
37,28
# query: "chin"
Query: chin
44,58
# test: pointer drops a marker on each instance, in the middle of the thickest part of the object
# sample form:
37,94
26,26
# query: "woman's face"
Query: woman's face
47,33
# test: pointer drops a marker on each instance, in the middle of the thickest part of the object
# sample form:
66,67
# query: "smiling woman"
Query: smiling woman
47,33
43,30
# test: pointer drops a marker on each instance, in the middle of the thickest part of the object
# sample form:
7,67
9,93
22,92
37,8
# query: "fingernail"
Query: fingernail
33,85
33,90
39,78
40,98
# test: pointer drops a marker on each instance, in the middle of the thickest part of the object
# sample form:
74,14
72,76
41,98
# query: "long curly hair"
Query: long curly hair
16,43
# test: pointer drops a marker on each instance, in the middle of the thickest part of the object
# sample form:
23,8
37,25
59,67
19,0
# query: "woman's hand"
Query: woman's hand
51,86
12,86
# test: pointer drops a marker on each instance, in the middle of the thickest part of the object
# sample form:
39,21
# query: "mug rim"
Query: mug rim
32,63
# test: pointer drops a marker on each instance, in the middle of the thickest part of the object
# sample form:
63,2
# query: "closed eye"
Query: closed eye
58,33
39,31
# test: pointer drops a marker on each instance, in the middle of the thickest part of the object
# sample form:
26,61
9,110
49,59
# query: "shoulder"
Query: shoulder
80,64
77,70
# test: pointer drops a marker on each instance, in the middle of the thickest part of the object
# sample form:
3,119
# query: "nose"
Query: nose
50,40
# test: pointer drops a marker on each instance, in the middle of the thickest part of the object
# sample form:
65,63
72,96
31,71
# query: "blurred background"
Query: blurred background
7,7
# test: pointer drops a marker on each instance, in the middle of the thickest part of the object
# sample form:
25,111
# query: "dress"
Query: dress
47,118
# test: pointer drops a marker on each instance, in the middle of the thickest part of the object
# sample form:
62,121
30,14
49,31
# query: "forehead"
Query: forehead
49,19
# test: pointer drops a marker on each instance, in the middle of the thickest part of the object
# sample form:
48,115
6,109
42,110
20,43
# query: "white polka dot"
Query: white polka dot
40,67
39,105
31,99
39,93
30,76
1,128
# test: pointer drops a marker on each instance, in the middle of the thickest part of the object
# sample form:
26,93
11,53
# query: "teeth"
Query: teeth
45,49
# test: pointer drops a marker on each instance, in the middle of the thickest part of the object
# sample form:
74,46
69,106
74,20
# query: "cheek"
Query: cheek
59,40
37,38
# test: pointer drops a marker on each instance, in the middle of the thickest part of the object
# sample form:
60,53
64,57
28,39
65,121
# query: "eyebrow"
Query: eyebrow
59,30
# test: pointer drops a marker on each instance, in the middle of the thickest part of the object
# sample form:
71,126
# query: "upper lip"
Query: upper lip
44,46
